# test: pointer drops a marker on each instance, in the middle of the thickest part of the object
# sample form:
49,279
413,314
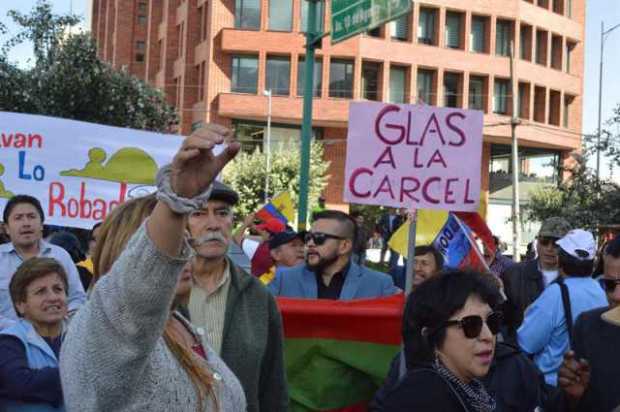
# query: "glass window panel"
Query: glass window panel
244,74
370,81
425,86
453,30
502,39
476,93
399,28
304,16
451,89
280,15
477,36
500,98
247,14
426,26
398,84
318,75
341,78
278,75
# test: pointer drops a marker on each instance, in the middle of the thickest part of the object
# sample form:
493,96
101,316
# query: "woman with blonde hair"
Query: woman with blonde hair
126,349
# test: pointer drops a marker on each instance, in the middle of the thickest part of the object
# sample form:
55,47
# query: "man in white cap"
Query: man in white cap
590,373
545,332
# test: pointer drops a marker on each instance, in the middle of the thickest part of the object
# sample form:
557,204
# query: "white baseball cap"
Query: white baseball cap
579,244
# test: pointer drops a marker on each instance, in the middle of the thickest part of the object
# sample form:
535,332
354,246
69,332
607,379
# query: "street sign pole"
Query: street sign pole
306,125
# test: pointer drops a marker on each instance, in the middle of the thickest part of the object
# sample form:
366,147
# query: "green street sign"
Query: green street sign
351,17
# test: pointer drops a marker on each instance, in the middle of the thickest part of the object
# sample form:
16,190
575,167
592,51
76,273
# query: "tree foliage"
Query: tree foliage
247,172
580,199
68,80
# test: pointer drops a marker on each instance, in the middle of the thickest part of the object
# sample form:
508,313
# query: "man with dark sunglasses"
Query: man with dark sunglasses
590,373
329,272
525,281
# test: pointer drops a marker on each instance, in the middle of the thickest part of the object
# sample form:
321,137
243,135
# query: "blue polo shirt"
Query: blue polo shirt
543,332
10,260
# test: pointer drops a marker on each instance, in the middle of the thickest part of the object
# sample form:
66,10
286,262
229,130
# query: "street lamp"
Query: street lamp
268,94
600,98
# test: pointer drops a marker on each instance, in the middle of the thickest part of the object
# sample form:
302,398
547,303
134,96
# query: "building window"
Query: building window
523,102
500,97
526,42
556,52
570,46
201,81
453,30
477,93
376,32
370,80
555,107
451,86
317,83
180,39
244,74
568,102
399,28
281,15
543,3
341,78
142,20
569,8
142,8
247,14
320,16
541,47
540,104
427,26
398,84
425,86
140,50
202,23
477,37
558,6
503,36
278,77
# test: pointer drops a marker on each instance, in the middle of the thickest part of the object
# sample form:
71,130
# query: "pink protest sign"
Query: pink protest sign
419,157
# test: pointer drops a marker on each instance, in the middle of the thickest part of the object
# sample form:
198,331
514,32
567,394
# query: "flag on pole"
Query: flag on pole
280,207
453,234
338,353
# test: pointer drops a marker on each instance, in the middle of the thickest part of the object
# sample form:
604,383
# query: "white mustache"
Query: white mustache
207,238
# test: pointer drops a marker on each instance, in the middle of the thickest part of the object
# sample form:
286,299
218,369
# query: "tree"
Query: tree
68,80
579,199
247,172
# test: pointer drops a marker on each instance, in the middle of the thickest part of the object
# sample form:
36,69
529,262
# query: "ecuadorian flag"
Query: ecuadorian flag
280,207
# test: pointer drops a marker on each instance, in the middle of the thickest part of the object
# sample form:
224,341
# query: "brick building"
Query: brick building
215,58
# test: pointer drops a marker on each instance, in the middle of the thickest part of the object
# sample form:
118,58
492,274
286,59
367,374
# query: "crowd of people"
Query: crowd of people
156,315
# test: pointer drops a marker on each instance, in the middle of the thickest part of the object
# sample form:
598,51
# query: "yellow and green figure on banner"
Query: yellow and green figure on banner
128,165
4,192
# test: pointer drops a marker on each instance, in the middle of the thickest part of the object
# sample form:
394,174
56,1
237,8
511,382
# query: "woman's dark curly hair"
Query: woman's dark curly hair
433,303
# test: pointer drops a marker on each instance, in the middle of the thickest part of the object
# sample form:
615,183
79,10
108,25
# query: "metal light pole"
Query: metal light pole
312,39
600,99
514,121
268,151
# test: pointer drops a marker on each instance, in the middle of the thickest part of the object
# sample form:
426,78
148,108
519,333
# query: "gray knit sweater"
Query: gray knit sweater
114,357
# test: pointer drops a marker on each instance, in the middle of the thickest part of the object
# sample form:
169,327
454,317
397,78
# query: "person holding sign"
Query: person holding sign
125,349
329,272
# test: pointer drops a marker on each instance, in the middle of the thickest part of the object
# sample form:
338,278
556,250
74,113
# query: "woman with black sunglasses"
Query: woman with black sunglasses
449,333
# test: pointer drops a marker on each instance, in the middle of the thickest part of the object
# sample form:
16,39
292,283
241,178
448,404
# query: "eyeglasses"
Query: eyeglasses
472,325
608,284
546,241
319,237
